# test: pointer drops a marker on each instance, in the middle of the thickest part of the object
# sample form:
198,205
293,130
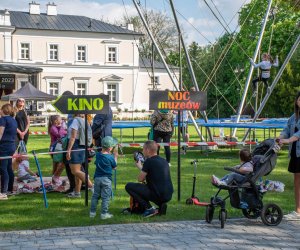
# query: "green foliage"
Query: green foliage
221,69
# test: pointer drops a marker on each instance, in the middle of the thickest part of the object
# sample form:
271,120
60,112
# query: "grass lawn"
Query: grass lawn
27,211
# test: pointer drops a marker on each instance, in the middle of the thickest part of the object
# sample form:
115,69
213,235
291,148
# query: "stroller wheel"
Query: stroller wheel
222,217
189,201
271,214
251,213
209,213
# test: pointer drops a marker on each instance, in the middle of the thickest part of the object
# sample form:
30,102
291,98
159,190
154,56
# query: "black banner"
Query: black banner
178,100
7,81
82,104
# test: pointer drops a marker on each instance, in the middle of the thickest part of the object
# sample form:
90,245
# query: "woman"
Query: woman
163,126
8,132
22,120
76,138
290,135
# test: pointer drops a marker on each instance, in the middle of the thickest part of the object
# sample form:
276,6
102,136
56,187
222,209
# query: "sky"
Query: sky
195,18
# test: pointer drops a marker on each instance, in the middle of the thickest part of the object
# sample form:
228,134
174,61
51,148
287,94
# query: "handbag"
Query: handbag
21,149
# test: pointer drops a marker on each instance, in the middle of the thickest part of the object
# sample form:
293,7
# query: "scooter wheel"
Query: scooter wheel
209,213
189,201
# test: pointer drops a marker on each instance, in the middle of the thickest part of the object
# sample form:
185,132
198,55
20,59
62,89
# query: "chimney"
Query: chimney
51,9
130,26
34,8
5,18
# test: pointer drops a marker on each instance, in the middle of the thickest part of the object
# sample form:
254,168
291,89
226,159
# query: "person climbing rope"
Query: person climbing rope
265,68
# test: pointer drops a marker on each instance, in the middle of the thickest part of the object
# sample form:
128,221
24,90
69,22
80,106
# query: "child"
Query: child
24,172
265,67
56,132
245,167
105,162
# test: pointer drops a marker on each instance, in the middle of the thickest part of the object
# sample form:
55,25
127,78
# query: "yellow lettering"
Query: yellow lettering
171,96
72,104
98,104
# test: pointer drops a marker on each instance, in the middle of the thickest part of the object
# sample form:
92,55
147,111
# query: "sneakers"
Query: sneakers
11,193
215,180
150,212
106,216
92,214
91,189
74,195
3,197
292,216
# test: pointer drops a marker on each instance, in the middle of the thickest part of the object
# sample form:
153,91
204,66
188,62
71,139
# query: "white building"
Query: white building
76,53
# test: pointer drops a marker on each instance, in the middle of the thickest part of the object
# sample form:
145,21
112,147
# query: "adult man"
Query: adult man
102,126
158,187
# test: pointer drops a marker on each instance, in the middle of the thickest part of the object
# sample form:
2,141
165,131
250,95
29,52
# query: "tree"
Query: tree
163,29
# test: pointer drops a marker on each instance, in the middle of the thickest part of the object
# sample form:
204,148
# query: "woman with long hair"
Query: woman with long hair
291,135
23,121
8,132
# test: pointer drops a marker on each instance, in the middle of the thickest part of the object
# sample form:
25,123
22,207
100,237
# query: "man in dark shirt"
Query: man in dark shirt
158,187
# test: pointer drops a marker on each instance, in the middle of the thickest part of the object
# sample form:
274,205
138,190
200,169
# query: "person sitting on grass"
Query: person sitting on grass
105,163
24,172
245,167
158,188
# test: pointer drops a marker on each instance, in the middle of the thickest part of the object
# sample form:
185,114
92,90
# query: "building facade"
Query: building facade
78,54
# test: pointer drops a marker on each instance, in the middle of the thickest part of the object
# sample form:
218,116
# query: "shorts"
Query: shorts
294,165
77,157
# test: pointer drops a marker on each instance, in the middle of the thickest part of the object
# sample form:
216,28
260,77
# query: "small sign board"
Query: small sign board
178,100
82,104
7,81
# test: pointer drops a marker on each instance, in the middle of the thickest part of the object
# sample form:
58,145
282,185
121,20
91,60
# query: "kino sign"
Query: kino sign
82,104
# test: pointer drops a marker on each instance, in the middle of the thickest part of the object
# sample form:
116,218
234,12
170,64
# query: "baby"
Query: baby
24,172
245,167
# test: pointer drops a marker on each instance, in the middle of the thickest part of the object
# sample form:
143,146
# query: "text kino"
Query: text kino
85,104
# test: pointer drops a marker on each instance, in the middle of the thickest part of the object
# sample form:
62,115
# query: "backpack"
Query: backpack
134,207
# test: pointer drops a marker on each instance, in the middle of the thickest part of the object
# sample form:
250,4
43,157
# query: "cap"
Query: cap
108,142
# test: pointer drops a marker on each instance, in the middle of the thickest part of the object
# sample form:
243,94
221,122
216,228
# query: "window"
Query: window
112,54
53,88
81,88
53,52
112,92
25,51
81,53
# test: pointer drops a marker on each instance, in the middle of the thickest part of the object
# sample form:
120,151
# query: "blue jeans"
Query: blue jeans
103,190
7,175
238,178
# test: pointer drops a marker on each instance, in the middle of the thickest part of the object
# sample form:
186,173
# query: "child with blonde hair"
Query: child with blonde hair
24,172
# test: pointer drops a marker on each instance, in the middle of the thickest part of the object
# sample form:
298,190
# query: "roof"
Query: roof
28,92
19,68
24,20
146,63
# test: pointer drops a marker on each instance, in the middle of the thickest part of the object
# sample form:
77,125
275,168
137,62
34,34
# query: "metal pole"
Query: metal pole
86,163
251,66
190,67
287,59
179,126
163,60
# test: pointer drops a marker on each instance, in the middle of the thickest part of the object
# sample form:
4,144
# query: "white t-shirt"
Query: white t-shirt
265,67
23,168
74,125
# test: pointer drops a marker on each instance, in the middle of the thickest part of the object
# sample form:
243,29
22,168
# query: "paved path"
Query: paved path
237,234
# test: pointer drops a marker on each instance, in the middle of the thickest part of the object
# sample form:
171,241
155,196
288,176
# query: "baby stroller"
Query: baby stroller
246,195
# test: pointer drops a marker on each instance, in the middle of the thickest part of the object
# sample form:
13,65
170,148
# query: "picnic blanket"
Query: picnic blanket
36,186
